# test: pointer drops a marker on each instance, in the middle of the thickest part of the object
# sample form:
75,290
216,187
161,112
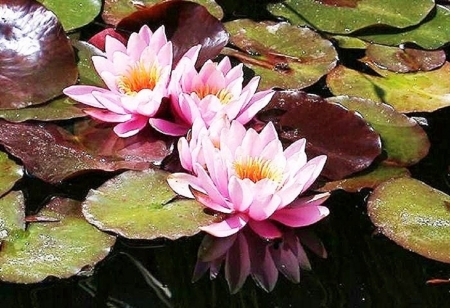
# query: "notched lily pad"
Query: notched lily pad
344,136
141,205
36,59
404,141
414,215
348,16
284,56
10,173
404,60
412,92
54,249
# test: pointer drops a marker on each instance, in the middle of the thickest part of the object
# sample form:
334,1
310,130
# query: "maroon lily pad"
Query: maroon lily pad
344,136
36,59
53,154
187,24
404,60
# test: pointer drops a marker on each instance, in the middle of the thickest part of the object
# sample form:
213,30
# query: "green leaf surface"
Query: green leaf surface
74,14
10,173
58,249
412,92
284,56
348,16
12,215
348,42
61,108
404,141
431,34
370,179
140,205
414,215
87,73
115,10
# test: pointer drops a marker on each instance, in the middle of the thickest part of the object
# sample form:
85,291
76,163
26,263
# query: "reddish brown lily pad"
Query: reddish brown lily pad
36,59
403,60
344,136
187,24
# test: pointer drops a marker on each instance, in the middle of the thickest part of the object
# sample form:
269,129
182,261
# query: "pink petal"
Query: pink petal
112,45
213,248
265,229
135,46
209,186
313,200
258,102
317,163
158,39
103,64
263,207
109,101
181,183
237,264
83,94
131,127
239,194
107,116
300,216
227,227
209,203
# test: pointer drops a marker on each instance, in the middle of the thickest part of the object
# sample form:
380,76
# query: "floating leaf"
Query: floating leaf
348,42
187,24
12,215
115,10
57,249
404,60
404,141
412,92
74,13
284,56
371,179
431,34
88,74
348,16
52,154
414,215
140,205
60,108
10,173
36,59
344,136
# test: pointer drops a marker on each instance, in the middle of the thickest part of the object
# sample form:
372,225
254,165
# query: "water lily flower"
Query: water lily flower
216,90
249,178
137,76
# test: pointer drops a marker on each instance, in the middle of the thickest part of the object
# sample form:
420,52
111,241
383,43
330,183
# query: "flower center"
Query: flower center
256,169
223,95
139,77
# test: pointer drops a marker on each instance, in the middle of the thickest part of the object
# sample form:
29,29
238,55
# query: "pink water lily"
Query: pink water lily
137,77
216,90
250,178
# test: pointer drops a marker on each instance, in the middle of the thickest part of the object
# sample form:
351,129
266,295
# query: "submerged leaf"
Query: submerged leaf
414,215
10,173
412,92
140,205
36,59
284,56
57,249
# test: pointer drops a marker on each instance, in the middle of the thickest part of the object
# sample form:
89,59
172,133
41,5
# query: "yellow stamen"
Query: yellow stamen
223,95
256,169
139,77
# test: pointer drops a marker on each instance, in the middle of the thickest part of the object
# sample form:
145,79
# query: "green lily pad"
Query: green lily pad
54,249
141,205
11,173
414,215
284,56
370,179
412,92
431,34
348,16
12,215
405,60
348,42
87,73
74,14
115,10
404,141
61,108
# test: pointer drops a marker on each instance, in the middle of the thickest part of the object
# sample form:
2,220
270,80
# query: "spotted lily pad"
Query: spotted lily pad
412,92
60,249
404,141
10,173
36,59
74,13
12,215
284,56
115,10
414,215
342,16
370,179
141,205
